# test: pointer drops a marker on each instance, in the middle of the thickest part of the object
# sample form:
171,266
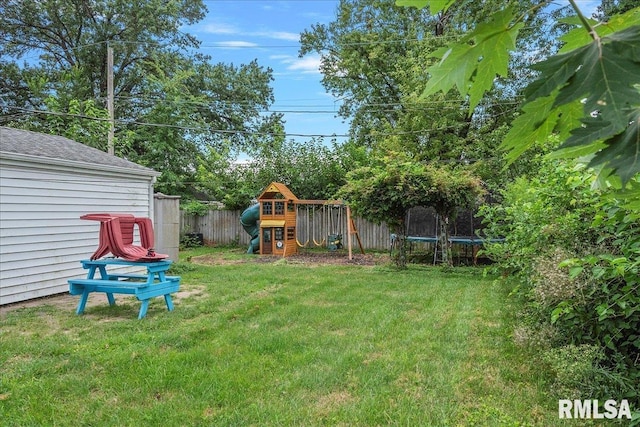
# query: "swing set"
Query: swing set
323,223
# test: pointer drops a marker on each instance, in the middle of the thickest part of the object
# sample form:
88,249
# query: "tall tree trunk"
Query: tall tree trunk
443,240
401,239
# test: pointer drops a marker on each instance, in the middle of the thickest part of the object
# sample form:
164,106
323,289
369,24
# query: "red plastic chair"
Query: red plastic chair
116,237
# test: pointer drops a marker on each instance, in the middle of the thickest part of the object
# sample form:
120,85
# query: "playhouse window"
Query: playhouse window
267,208
279,233
266,235
279,208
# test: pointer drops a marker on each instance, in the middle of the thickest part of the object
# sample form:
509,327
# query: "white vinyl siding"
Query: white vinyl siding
42,238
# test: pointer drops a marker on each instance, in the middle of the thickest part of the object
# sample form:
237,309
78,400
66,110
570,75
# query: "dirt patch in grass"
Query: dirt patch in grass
308,259
333,401
217,258
62,301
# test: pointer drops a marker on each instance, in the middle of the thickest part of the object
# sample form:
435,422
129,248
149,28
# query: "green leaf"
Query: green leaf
570,118
603,74
494,59
575,271
555,72
473,64
603,77
579,37
622,151
435,6
449,72
582,151
536,123
592,129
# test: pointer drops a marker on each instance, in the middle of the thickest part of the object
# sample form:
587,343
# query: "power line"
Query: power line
235,131
316,108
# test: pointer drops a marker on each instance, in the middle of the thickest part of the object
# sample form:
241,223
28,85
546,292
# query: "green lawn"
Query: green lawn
278,343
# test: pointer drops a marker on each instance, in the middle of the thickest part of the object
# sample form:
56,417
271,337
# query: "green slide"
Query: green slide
249,221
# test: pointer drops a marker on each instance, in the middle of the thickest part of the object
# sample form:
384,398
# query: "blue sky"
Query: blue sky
239,31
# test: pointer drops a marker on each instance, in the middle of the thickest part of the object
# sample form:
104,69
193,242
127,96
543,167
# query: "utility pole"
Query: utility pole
110,147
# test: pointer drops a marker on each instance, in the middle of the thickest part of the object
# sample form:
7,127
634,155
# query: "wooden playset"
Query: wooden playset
274,223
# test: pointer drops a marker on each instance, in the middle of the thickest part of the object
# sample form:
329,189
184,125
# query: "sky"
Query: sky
239,31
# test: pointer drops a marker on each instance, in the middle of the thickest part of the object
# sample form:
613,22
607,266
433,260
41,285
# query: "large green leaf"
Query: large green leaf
535,124
473,64
622,151
592,129
603,77
606,76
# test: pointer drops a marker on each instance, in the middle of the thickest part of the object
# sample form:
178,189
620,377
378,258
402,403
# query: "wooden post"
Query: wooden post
110,145
349,231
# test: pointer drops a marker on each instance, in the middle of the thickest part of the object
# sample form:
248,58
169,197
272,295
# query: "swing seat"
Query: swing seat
116,237
334,242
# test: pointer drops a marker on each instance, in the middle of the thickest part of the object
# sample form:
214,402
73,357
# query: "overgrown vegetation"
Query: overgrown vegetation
573,249
574,254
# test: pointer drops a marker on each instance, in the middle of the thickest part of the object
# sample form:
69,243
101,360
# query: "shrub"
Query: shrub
574,253
540,214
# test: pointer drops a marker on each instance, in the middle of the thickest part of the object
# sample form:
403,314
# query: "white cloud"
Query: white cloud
228,29
233,44
307,65
282,58
219,28
310,64
281,35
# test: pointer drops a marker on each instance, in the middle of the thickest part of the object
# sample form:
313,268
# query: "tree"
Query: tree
385,192
311,169
588,93
373,58
66,34
368,60
171,105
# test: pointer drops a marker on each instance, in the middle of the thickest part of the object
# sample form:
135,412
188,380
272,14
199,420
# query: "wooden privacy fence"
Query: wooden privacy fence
222,227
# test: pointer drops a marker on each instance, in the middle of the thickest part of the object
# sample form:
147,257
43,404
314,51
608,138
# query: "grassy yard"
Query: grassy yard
278,343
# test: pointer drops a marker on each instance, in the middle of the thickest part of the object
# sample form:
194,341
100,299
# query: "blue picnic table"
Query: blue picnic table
144,286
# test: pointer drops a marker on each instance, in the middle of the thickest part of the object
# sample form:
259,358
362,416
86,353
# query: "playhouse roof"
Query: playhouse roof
276,188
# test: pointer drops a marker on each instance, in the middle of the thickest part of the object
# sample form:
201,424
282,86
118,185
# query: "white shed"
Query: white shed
46,183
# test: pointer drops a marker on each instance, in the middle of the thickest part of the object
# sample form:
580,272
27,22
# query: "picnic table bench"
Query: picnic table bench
144,286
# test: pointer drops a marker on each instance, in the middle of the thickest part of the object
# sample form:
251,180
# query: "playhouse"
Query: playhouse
273,222
277,220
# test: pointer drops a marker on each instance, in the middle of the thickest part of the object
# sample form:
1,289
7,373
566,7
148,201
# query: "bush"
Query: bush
574,253
540,214
195,207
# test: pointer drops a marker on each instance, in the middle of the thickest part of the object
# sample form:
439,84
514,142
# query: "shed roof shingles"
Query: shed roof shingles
26,142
